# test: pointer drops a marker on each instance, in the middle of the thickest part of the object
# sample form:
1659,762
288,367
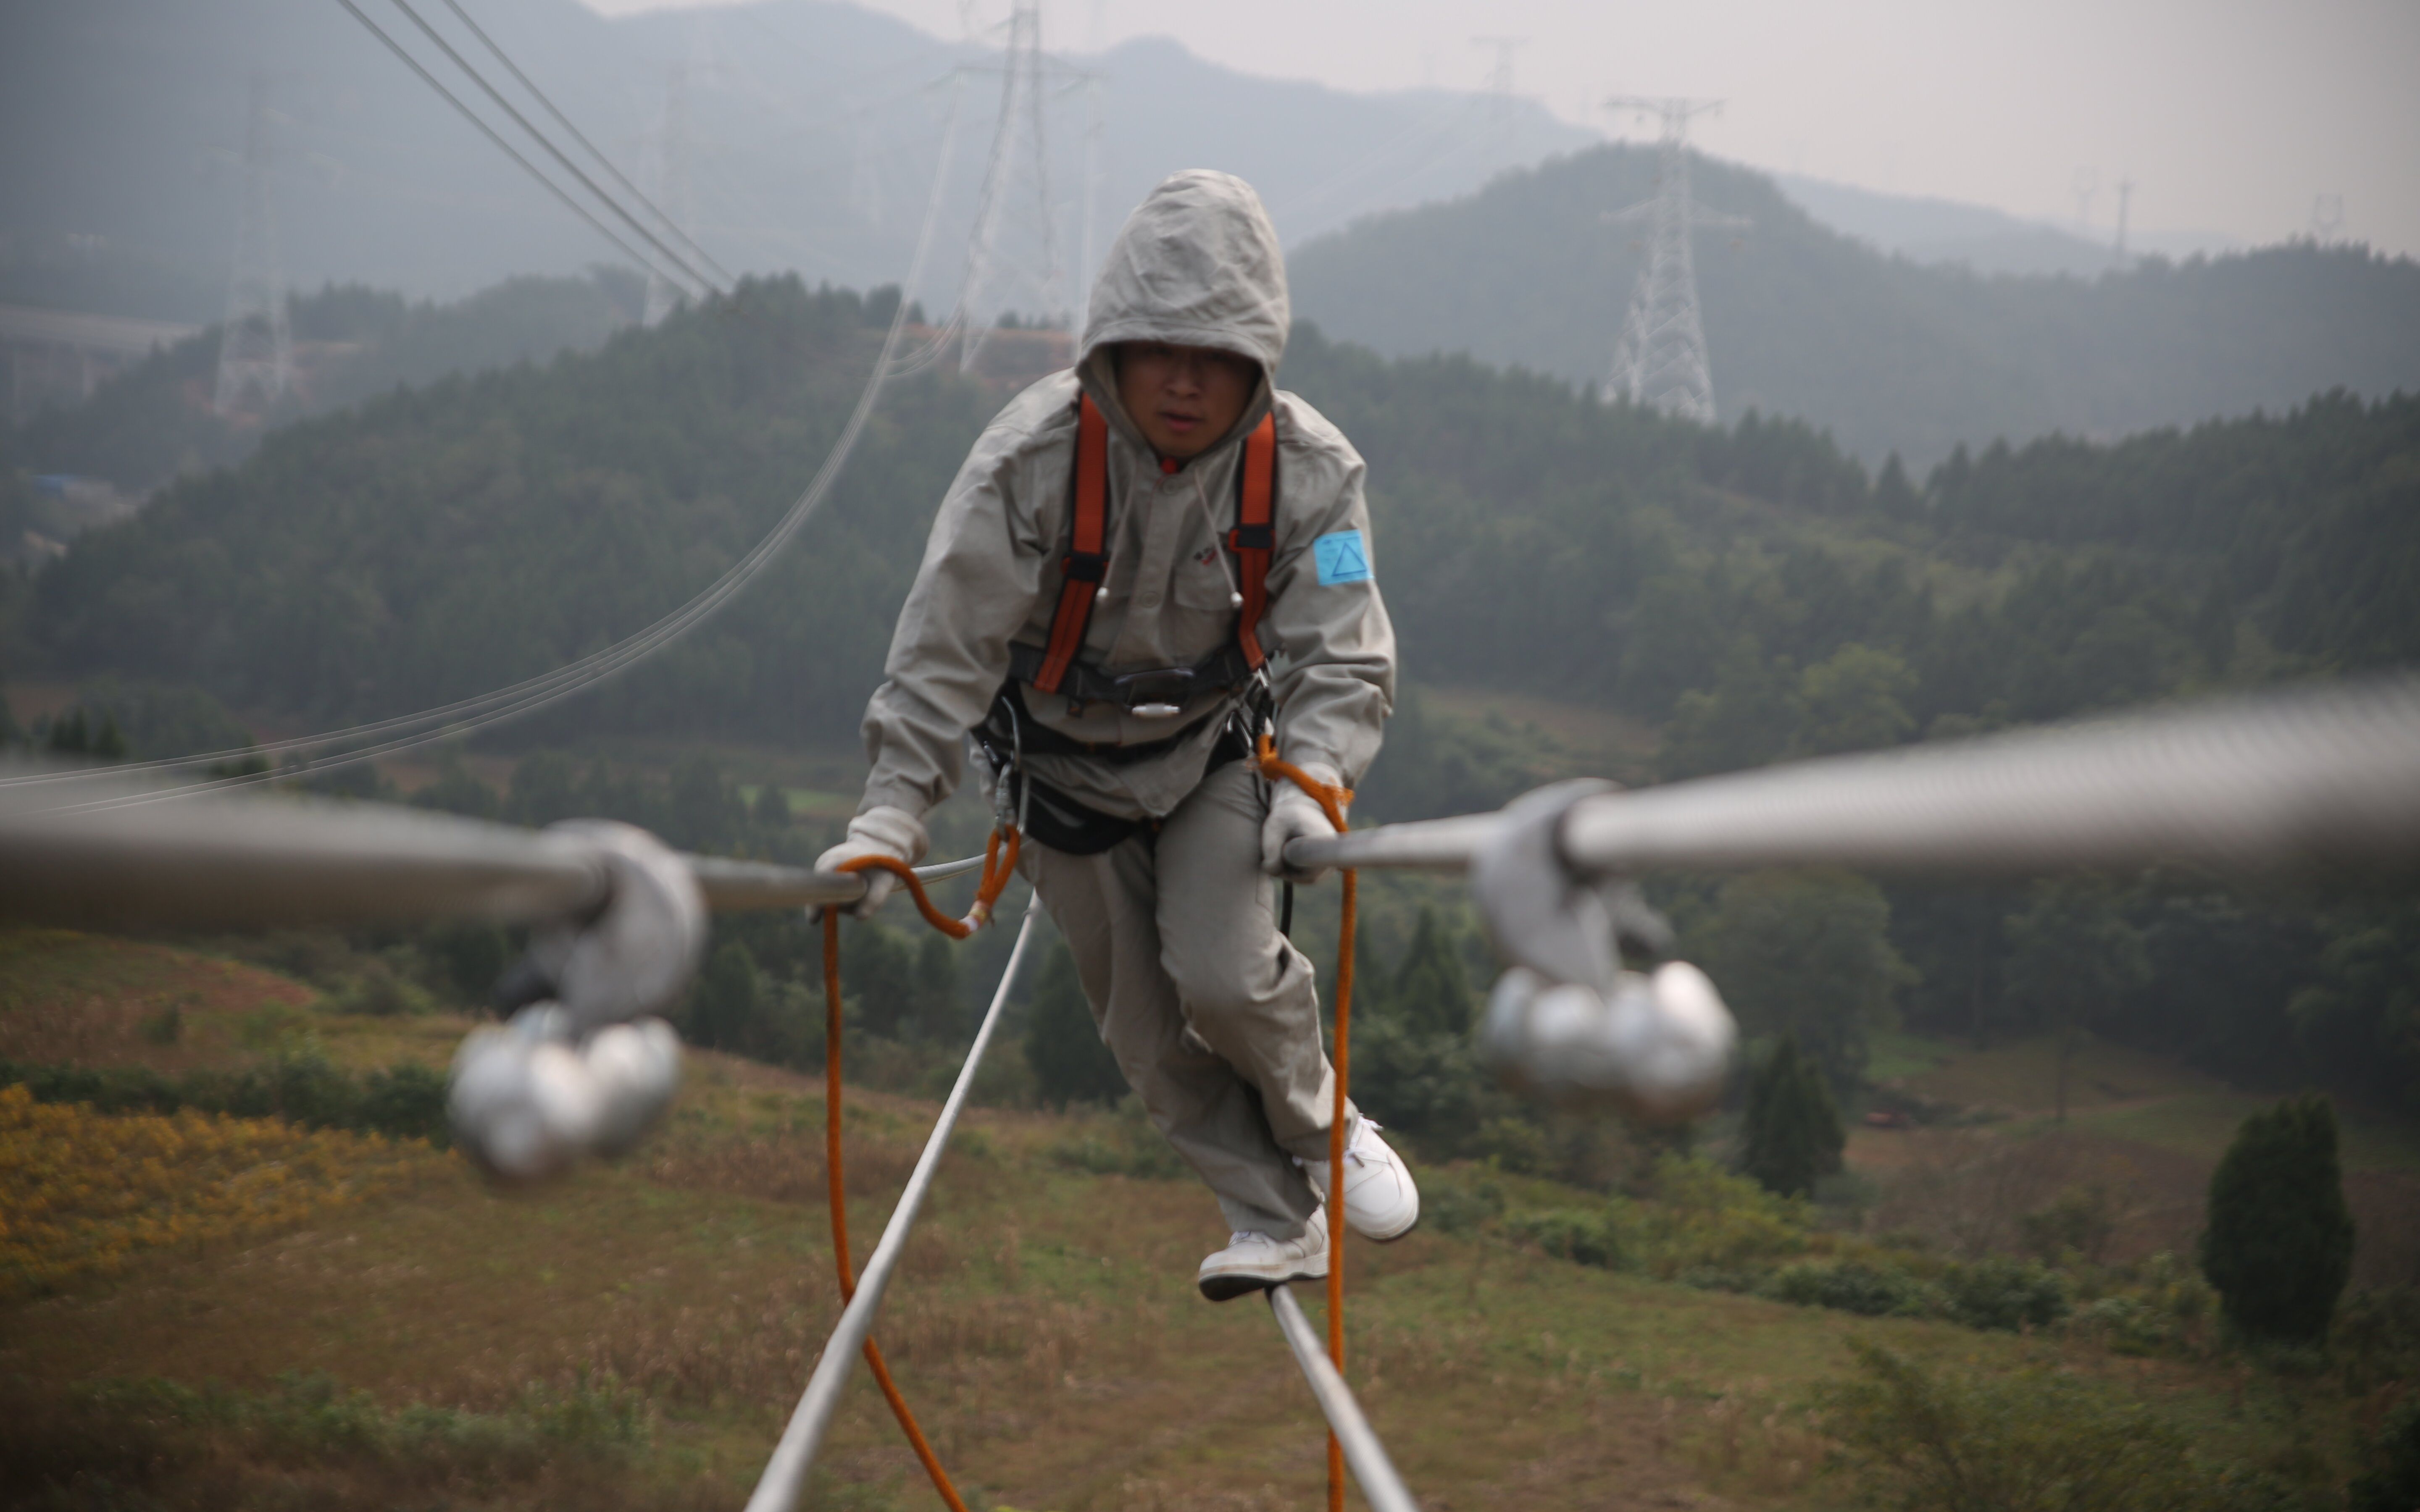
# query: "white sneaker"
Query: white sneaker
1380,1201
1252,1261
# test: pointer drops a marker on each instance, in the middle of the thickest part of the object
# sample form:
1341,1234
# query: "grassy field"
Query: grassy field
633,1336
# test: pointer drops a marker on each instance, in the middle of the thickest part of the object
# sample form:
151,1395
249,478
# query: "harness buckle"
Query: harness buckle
1158,694
1253,538
1086,567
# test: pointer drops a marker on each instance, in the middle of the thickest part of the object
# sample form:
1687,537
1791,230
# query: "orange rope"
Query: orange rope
1332,801
996,873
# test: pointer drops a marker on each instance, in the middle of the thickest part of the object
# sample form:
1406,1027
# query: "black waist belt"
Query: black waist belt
1034,738
1056,820
1222,671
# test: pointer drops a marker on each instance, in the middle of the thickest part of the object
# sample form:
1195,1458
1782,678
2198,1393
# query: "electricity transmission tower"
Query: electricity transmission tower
1009,225
2125,199
1499,78
666,162
255,347
1660,362
2327,218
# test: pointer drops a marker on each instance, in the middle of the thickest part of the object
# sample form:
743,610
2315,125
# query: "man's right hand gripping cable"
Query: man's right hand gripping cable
882,831
1294,814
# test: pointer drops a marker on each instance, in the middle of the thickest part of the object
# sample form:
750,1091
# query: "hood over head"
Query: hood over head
1197,263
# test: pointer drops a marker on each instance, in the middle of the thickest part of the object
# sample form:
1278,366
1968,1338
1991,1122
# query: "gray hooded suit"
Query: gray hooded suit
1212,1015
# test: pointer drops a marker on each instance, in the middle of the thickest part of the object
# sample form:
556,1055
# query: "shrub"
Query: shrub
2279,1244
2004,1293
1847,1287
79,1191
405,1101
1455,1206
2130,1325
2376,1340
2390,1480
1063,1045
1576,1234
1123,1144
379,991
2037,1442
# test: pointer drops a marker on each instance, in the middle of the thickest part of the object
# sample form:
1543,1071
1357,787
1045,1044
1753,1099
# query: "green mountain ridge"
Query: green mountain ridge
1750,593
1885,353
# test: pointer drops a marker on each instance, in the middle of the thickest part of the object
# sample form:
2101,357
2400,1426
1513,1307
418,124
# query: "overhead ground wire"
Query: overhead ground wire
582,137
493,135
557,153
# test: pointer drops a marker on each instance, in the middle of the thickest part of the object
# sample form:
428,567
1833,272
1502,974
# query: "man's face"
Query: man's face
1184,399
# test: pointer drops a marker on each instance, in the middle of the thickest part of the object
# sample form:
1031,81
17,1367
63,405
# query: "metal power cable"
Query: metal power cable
252,862
2283,781
493,135
785,1480
469,715
582,137
1381,1486
555,152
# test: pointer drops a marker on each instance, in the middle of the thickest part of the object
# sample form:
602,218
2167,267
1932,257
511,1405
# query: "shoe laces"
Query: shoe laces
1246,1236
1353,1154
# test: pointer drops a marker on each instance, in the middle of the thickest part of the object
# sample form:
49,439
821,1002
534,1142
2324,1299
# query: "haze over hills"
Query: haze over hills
1928,230
813,129
1883,352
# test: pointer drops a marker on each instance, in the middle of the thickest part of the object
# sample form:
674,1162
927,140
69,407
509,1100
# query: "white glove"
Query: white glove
1294,814
878,831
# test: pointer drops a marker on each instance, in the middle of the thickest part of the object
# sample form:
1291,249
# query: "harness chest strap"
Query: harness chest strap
1252,540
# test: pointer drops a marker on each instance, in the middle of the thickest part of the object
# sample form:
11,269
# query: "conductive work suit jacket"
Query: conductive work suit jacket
1197,263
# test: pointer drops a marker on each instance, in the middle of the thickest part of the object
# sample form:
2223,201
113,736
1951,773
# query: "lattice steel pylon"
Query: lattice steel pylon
1018,139
255,345
1660,360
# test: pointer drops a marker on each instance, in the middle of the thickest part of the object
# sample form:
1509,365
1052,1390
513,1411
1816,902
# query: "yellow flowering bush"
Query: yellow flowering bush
79,1191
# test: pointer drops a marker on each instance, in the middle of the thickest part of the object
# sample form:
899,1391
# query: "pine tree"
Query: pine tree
722,1013
110,743
2279,1242
939,1006
1894,496
69,736
1431,992
1793,1133
1063,1045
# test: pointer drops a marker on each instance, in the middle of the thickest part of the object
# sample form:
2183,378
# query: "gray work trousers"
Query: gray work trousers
1213,1015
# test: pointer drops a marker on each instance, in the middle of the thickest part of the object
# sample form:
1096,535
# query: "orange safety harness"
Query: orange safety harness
1087,563
1252,540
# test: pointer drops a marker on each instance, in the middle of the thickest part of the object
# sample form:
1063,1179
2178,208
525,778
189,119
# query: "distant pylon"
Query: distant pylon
2327,218
255,346
1660,362
1499,78
666,162
1018,139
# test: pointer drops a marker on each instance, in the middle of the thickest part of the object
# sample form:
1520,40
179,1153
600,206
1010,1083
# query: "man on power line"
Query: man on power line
1127,547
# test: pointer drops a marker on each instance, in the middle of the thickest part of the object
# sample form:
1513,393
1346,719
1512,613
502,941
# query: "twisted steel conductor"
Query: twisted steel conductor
2324,776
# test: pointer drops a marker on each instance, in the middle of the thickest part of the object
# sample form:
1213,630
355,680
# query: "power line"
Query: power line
557,153
493,135
467,716
580,138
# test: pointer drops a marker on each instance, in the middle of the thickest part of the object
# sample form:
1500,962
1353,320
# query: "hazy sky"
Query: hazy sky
2230,116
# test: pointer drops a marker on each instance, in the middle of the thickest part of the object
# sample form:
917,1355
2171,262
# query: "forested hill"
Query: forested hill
1748,593
1885,353
436,543
350,342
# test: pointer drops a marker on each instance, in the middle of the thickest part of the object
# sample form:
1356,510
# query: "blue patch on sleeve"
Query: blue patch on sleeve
1341,559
